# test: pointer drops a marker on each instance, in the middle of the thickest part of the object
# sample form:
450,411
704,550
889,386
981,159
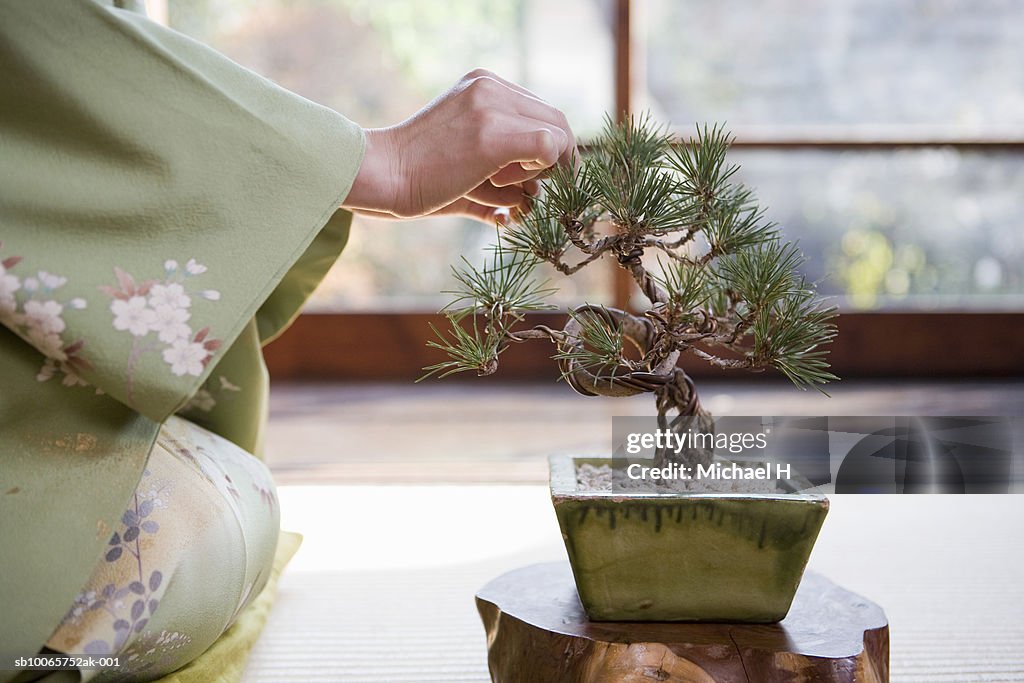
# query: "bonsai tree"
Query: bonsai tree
725,291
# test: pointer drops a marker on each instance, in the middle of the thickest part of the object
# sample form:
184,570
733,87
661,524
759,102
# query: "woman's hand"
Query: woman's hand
475,151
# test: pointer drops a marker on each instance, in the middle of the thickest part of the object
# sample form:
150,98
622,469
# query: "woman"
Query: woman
163,214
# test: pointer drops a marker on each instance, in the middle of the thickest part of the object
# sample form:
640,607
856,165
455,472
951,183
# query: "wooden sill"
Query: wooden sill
392,347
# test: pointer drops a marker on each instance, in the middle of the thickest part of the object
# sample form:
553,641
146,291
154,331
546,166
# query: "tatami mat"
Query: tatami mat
382,590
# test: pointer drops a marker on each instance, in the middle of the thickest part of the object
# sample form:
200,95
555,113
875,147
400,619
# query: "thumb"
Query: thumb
535,149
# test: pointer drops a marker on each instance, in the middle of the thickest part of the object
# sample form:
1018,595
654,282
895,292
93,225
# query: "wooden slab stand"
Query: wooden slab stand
537,632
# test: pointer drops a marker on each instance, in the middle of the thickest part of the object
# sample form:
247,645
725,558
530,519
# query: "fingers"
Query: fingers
536,108
489,195
514,174
485,212
470,209
530,144
489,86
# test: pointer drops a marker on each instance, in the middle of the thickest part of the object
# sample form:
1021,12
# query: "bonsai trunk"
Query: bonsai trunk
672,387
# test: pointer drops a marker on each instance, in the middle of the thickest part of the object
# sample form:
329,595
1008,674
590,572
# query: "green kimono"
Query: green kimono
163,214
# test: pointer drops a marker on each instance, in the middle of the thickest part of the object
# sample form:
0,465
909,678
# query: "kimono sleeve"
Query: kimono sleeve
153,197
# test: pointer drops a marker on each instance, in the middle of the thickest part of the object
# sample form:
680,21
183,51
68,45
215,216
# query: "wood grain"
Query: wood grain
537,631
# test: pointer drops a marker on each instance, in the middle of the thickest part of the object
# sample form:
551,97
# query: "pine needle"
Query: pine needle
504,286
477,351
600,346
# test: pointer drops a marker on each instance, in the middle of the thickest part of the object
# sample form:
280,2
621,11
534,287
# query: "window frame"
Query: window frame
391,346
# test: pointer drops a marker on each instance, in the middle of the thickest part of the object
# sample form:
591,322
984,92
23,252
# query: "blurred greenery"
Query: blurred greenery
482,32
899,229
911,228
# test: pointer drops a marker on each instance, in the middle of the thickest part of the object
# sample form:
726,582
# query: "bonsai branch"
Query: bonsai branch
574,230
566,269
743,293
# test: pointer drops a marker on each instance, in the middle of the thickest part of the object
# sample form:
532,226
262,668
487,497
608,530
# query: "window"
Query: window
377,62
886,225
886,137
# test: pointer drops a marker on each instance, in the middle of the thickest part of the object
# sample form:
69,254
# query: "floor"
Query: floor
486,432
382,589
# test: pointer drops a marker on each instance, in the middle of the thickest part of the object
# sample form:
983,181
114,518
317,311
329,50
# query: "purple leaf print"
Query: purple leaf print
145,508
137,588
150,527
155,579
120,637
97,647
108,590
138,607
131,533
129,518
141,625
153,604
115,539
122,625
113,554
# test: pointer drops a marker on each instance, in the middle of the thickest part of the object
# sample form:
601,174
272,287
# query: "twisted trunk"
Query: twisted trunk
673,389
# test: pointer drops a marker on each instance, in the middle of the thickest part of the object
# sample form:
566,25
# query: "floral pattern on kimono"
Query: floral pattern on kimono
166,209
193,478
155,312
32,306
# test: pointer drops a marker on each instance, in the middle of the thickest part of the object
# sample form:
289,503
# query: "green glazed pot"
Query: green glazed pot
684,556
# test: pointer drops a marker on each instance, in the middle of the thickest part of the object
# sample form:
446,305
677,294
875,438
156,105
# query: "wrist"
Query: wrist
374,186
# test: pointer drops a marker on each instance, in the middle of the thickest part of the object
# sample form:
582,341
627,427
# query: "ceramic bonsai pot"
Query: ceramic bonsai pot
684,556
